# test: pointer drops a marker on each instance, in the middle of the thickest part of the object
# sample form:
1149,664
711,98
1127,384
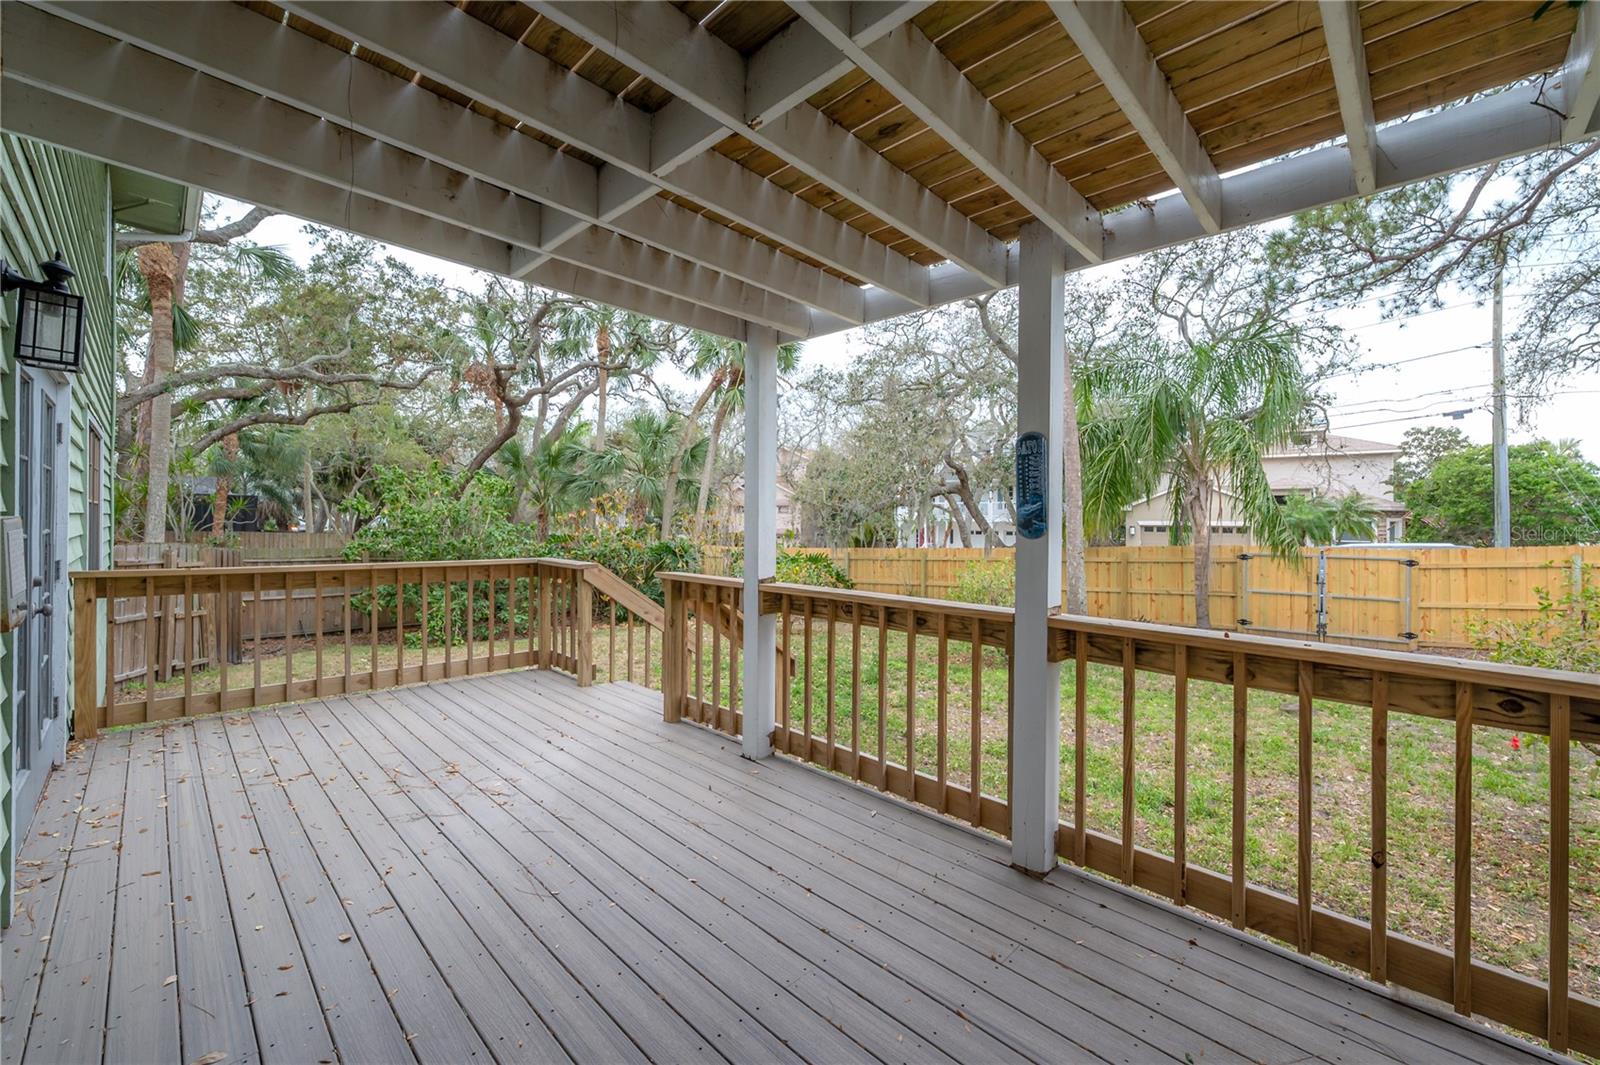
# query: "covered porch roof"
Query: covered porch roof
806,167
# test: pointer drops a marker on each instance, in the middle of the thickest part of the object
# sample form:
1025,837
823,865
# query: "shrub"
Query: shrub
800,567
420,518
1564,634
992,583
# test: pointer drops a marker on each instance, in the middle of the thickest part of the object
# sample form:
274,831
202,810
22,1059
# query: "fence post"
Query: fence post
85,661
584,608
674,679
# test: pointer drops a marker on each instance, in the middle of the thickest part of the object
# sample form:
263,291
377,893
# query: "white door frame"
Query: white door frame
47,702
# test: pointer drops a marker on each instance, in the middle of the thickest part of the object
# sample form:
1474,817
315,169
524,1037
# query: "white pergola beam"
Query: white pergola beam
240,47
1347,54
918,75
71,60
69,123
1119,56
1580,95
799,61
60,120
662,43
490,67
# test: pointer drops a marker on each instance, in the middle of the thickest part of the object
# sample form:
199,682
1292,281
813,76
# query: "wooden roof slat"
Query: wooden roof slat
748,24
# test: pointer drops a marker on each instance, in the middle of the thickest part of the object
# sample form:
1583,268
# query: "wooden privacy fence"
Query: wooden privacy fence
288,547
852,704
448,619
1394,596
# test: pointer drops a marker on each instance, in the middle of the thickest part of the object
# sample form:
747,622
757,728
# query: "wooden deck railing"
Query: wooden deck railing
370,626
844,705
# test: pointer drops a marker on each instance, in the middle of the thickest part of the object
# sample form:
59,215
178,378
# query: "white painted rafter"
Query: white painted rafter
906,63
236,45
1119,56
492,68
1580,97
799,61
666,46
1347,54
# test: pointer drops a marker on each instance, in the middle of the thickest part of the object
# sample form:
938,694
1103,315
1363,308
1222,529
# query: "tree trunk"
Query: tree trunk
669,486
1077,582
1200,525
308,502
219,496
163,266
712,447
602,351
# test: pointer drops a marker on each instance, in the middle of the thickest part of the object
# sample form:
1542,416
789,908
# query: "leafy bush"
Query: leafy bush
992,583
1564,634
421,519
800,567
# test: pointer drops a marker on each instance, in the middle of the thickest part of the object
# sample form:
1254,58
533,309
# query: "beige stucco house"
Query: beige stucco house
1314,463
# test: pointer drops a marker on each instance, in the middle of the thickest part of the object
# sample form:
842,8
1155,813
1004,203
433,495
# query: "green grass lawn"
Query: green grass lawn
1511,786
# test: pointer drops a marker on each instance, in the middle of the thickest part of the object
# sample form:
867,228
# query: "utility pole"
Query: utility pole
1502,459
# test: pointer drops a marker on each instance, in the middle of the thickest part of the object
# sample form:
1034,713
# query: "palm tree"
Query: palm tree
1197,417
637,460
721,363
548,477
1352,517
1309,518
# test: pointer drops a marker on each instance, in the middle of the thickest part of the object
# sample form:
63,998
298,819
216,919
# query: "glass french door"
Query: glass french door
38,663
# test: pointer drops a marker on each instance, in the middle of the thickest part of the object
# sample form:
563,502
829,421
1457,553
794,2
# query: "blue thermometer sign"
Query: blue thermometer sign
1031,463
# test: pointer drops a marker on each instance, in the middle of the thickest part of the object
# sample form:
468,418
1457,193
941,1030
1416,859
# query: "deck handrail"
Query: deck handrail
823,629
193,624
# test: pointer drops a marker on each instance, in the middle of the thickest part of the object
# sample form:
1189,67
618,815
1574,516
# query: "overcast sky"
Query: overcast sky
1420,369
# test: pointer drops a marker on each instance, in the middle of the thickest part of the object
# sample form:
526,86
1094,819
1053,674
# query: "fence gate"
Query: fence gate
1334,595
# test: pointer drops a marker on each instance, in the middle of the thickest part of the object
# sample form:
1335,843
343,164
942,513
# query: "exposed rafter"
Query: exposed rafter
907,64
799,61
1580,97
1111,44
666,46
1347,53
236,45
490,67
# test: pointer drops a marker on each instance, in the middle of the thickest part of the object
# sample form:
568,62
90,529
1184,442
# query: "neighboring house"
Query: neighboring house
1314,463
56,434
791,471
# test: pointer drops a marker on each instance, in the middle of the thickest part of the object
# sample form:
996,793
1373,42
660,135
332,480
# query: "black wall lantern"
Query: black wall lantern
49,325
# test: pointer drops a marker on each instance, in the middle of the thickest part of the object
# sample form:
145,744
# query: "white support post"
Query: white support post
760,536
1036,737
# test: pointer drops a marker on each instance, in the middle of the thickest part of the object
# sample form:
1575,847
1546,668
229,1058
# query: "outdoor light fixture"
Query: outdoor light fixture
49,323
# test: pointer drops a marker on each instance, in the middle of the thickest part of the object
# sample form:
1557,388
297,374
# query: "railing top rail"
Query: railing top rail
1442,667
337,567
701,578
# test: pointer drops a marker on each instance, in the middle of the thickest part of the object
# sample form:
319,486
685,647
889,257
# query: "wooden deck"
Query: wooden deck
510,868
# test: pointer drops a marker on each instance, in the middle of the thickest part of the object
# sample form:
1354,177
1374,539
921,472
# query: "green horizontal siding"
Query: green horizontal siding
52,200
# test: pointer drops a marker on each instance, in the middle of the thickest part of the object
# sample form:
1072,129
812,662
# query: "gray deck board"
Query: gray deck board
510,868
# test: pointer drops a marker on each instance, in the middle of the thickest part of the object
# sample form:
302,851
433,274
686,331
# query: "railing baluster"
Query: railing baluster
583,633
943,711
716,659
288,637
224,648
699,654
1378,968
785,674
400,627
188,645
647,656
1241,705
546,635
832,618
1080,747
423,585
511,620
911,702
450,623
1129,688
633,622
1463,850
472,649
611,645
344,592
151,641
1303,820
805,684
1180,773
111,667
855,690
255,643
372,624
1560,906
975,812
883,698
494,587
316,689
